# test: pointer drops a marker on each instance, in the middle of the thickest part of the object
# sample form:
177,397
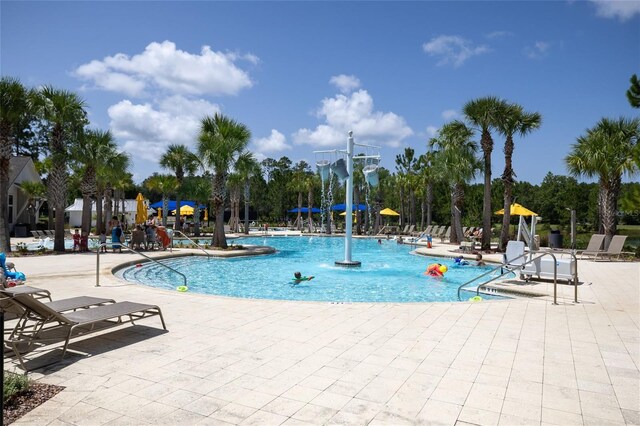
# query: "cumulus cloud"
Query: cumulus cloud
453,50
450,114
538,50
623,10
275,142
161,66
147,129
345,83
355,111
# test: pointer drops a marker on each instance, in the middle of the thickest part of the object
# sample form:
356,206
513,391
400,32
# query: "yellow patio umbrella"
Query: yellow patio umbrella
352,214
389,212
184,210
141,209
518,210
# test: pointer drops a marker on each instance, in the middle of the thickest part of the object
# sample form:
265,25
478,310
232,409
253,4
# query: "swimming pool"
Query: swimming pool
389,273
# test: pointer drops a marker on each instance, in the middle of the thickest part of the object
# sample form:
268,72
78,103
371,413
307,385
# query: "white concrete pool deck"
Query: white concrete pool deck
262,362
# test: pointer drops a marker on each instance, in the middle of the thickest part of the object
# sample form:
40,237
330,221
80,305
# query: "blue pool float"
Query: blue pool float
7,273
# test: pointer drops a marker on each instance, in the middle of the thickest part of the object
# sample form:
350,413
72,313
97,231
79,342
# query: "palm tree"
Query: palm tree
220,142
406,166
13,106
96,148
199,190
297,186
607,151
425,181
456,163
247,167
514,120
65,113
633,94
180,160
310,183
35,192
108,170
483,114
165,185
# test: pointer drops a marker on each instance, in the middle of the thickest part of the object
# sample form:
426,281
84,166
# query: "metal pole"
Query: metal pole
573,229
349,200
349,207
98,263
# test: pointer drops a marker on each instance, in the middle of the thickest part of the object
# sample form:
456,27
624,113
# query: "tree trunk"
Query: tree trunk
86,215
456,216
507,180
99,220
57,188
299,218
219,239
358,216
429,202
246,207
609,209
487,147
5,164
196,219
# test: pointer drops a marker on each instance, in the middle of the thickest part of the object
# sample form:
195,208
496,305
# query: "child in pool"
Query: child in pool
298,278
479,261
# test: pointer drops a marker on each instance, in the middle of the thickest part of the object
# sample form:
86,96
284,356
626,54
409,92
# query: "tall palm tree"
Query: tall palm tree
483,114
406,166
456,163
165,185
96,148
298,187
247,167
425,181
64,111
181,161
13,106
311,182
513,121
607,152
220,142
35,192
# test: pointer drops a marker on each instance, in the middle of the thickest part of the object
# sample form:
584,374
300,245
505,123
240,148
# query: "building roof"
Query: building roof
16,166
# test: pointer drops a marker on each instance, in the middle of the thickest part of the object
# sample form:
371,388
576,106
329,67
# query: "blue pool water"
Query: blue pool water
389,273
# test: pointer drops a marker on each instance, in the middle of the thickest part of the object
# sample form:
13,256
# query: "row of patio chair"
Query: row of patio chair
40,235
596,243
43,325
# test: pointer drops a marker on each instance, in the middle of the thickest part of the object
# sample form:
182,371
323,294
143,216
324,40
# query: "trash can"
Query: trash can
20,230
555,239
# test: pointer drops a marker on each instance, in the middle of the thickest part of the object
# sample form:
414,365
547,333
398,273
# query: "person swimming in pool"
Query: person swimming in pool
298,278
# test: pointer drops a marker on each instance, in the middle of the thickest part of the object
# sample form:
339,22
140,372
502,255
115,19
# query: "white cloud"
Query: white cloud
497,34
343,113
345,83
163,67
453,50
450,114
275,142
538,50
623,10
432,131
146,130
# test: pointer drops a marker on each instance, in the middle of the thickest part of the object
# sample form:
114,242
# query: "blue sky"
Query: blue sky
301,74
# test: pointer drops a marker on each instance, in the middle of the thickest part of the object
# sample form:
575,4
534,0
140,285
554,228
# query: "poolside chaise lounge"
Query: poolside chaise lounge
14,310
615,247
594,247
106,315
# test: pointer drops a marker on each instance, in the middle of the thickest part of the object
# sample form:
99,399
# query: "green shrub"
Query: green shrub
13,385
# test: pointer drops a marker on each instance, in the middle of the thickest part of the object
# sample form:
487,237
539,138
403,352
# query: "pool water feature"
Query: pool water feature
389,273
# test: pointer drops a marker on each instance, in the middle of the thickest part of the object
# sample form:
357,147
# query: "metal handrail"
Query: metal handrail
198,245
184,277
505,265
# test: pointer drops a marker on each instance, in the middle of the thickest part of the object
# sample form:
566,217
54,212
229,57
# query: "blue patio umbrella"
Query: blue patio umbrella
343,207
305,210
172,204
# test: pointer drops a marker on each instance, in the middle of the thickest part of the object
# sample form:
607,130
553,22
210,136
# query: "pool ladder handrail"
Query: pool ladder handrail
184,277
198,245
505,265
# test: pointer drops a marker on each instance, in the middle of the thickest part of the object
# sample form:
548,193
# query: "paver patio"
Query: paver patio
263,362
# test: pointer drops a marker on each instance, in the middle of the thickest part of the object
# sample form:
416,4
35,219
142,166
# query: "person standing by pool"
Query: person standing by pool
116,233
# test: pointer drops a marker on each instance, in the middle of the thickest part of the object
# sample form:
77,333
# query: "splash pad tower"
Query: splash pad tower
343,169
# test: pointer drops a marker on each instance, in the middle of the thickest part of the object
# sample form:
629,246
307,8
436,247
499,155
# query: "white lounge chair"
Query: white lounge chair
615,247
594,247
